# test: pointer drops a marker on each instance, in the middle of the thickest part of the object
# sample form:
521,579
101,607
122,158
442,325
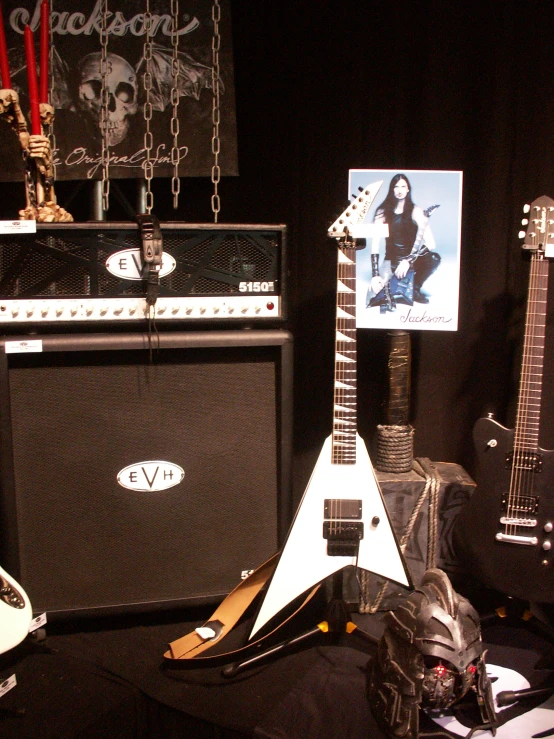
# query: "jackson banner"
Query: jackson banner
83,71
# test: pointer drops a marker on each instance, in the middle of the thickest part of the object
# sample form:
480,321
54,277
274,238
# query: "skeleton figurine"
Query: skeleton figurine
40,198
430,656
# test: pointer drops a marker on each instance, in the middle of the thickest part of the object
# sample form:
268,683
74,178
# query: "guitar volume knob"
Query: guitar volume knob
547,545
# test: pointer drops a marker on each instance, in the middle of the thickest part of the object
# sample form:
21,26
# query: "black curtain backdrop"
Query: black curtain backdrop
324,87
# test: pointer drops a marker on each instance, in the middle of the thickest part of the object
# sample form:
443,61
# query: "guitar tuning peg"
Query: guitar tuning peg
521,234
524,221
526,208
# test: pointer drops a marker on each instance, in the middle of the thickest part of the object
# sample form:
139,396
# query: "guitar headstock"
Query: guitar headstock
353,216
540,226
431,209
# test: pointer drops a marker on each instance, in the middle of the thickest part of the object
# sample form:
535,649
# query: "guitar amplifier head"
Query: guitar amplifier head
95,272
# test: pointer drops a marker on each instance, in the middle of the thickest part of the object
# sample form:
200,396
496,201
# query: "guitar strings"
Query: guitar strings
343,438
526,435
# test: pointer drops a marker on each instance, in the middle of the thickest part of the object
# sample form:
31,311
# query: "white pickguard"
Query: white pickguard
304,561
14,622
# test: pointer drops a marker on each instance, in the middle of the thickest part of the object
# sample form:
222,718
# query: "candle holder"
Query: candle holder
40,205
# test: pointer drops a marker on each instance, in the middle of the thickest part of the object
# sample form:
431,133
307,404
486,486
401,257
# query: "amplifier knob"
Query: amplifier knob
118,311
175,309
15,311
188,310
59,310
132,310
231,309
30,311
257,309
73,310
89,309
216,309
202,310
103,310
44,311
244,309
161,310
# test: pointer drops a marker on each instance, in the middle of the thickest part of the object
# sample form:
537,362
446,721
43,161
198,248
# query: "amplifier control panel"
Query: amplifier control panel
128,309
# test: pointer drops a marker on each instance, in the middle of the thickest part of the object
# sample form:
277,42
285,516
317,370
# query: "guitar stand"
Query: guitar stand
520,611
337,622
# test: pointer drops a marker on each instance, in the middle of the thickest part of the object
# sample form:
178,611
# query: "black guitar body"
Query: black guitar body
522,570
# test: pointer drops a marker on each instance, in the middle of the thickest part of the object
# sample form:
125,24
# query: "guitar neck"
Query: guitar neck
345,395
526,435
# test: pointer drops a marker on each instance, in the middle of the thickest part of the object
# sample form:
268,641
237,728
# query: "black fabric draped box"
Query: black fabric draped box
402,491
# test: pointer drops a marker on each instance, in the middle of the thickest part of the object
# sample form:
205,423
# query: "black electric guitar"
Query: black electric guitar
342,519
505,534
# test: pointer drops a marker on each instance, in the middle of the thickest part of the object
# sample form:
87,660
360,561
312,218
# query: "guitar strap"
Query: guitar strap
184,652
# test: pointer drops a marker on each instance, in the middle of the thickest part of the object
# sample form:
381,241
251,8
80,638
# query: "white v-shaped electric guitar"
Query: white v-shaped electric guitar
342,519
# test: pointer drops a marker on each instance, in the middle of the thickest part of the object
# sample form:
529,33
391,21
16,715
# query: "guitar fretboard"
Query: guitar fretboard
526,435
345,396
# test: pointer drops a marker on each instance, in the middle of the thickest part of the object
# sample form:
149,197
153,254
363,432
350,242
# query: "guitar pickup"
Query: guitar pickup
526,504
342,510
530,461
344,527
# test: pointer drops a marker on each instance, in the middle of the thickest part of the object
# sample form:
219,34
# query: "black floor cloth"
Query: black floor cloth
107,678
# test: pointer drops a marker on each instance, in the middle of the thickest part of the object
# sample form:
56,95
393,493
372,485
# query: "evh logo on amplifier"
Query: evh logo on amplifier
127,264
150,476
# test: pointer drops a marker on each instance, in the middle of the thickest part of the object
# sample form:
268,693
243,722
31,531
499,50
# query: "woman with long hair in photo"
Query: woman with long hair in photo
410,254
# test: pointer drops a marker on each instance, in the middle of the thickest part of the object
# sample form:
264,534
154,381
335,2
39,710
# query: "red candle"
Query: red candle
44,51
4,66
32,80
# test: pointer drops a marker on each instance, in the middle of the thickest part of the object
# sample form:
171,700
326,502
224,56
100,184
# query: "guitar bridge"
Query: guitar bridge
343,528
512,521
530,461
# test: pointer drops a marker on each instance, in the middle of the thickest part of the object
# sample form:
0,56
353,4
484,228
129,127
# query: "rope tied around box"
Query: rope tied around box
425,468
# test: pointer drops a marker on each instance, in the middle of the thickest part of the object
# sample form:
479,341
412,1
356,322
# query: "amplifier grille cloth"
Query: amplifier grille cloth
85,541
70,262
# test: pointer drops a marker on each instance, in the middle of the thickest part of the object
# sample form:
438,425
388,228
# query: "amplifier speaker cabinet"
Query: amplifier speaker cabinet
95,273
138,482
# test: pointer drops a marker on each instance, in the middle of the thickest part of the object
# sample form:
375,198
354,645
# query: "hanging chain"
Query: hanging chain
175,181
147,81
216,172
104,100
